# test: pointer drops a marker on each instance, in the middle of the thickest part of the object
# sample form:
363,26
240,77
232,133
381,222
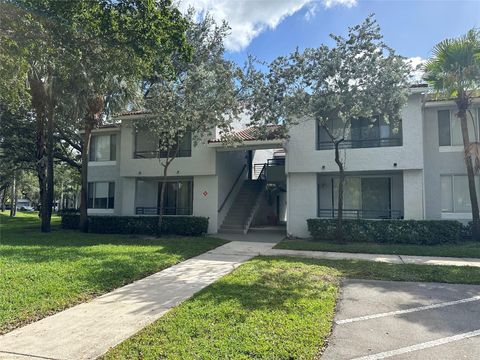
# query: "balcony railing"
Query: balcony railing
364,143
163,154
144,210
360,214
260,170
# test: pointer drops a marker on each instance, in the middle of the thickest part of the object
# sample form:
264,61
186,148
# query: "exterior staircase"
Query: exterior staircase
242,211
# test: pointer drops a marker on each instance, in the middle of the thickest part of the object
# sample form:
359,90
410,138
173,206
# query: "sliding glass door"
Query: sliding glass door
178,198
376,197
364,197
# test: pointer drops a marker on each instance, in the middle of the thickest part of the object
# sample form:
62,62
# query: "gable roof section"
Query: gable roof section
252,134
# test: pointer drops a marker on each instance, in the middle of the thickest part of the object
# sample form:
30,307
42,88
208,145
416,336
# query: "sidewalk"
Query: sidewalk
88,330
393,259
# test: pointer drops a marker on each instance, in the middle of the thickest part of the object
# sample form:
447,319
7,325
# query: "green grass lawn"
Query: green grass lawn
41,274
465,249
268,308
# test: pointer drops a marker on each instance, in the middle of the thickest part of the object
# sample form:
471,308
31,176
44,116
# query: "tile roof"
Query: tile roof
252,134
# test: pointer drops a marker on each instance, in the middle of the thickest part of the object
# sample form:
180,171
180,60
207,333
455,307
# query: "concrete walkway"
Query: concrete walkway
393,259
88,330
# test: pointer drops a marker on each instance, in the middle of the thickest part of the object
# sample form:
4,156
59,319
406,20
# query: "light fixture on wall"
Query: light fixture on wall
323,167
394,164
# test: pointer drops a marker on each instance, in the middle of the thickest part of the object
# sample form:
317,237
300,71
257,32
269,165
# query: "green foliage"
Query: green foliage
423,232
465,249
265,309
454,67
358,77
201,94
43,273
269,308
178,225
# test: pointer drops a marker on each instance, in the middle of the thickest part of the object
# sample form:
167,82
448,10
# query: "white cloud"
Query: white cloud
417,71
248,18
347,3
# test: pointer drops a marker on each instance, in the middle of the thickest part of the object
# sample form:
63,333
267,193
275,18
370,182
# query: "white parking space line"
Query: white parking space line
407,311
421,346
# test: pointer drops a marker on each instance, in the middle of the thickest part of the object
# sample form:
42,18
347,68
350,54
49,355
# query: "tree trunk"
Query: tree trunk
13,197
462,103
84,175
38,95
168,161
92,119
162,199
338,161
62,198
46,220
4,198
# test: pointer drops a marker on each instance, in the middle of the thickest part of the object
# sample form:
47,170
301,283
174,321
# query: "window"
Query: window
101,195
364,197
455,193
103,148
450,130
362,133
146,145
178,198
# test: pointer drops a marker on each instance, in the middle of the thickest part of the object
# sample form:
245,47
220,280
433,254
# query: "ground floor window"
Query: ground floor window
363,197
455,193
101,195
178,198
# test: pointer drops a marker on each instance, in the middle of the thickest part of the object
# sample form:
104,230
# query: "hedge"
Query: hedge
148,225
423,232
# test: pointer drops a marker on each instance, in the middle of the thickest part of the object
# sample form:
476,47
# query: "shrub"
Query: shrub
70,221
424,232
148,225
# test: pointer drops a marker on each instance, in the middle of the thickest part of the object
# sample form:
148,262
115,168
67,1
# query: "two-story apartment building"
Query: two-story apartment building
413,170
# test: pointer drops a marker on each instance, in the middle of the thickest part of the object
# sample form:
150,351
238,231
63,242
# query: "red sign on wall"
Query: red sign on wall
205,193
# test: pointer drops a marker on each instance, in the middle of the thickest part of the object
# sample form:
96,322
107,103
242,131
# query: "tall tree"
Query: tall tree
454,72
96,52
360,77
120,44
32,51
200,98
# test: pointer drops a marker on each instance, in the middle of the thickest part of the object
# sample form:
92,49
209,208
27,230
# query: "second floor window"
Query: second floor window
146,146
361,133
103,148
450,130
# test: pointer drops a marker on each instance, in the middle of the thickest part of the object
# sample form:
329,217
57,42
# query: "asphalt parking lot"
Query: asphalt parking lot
406,320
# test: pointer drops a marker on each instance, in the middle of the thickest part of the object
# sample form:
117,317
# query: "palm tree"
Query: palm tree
454,72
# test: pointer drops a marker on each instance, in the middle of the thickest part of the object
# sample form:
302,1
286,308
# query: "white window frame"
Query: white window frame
96,162
453,214
457,148
101,210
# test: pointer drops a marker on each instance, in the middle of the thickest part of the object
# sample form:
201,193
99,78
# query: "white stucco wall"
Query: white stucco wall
202,161
205,200
413,195
303,156
301,202
107,171
127,196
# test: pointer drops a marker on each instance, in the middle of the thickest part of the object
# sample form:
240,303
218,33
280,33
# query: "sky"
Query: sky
270,28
